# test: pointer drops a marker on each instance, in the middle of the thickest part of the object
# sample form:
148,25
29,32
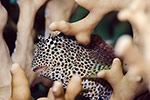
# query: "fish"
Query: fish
60,57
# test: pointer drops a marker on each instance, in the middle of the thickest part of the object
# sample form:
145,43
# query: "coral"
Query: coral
24,44
5,60
57,10
125,87
24,47
20,84
97,11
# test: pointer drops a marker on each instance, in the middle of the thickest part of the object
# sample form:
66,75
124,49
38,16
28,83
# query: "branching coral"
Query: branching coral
83,28
5,60
24,47
23,53
134,82
20,84
135,52
57,10
125,87
141,24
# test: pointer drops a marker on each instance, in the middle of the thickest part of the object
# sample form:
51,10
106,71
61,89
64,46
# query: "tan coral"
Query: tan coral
135,53
133,83
5,60
140,23
24,47
57,10
20,84
83,28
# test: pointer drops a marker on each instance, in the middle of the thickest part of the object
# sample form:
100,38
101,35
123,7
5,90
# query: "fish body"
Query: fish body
61,57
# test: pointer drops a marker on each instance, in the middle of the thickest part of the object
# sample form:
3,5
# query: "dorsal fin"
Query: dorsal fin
100,50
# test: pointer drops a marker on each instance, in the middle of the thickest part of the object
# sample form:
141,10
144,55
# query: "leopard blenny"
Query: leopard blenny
60,57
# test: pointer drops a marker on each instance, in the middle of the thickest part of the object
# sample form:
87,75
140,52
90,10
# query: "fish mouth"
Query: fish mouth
39,69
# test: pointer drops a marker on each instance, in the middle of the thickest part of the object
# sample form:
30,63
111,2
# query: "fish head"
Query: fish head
43,56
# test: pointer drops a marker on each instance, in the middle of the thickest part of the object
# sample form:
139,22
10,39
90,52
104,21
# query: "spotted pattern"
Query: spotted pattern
62,57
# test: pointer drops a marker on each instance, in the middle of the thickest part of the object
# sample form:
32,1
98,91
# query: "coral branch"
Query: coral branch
24,46
140,23
83,28
141,13
134,82
125,87
72,90
136,79
57,10
5,61
20,85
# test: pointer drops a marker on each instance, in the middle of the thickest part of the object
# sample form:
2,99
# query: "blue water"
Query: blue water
12,1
